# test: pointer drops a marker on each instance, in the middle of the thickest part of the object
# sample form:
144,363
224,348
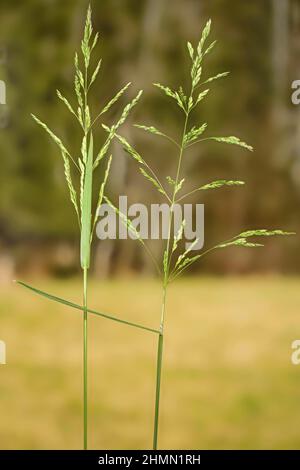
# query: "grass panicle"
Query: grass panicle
82,184
82,170
174,264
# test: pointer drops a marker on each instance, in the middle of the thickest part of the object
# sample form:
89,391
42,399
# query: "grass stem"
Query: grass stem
158,382
85,357
165,284
159,368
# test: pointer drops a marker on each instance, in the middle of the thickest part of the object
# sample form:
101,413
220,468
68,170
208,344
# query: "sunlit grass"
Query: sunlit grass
228,381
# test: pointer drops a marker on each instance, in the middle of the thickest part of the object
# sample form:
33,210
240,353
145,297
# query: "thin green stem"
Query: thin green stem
152,257
174,191
175,274
85,312
158,181
85,362
165,284
158,371
199,140
158,382
188,194
170,140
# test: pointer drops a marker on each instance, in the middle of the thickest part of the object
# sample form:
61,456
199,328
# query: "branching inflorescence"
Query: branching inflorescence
85,166
174,264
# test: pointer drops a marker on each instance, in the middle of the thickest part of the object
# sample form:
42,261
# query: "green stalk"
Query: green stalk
189,138
85,164
85,362
85,263
165,285
158,382
158,371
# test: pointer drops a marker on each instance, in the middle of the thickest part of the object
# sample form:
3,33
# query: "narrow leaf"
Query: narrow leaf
82,308
86,214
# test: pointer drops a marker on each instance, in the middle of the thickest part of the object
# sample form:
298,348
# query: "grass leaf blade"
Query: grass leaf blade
86,214
81,307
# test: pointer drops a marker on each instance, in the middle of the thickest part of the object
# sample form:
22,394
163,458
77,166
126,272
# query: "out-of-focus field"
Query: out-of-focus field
228,378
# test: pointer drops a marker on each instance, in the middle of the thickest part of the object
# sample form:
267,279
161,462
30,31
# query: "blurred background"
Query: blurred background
229,382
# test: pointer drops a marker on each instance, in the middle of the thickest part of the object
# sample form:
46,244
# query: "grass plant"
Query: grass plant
81,181
174,263
82,170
